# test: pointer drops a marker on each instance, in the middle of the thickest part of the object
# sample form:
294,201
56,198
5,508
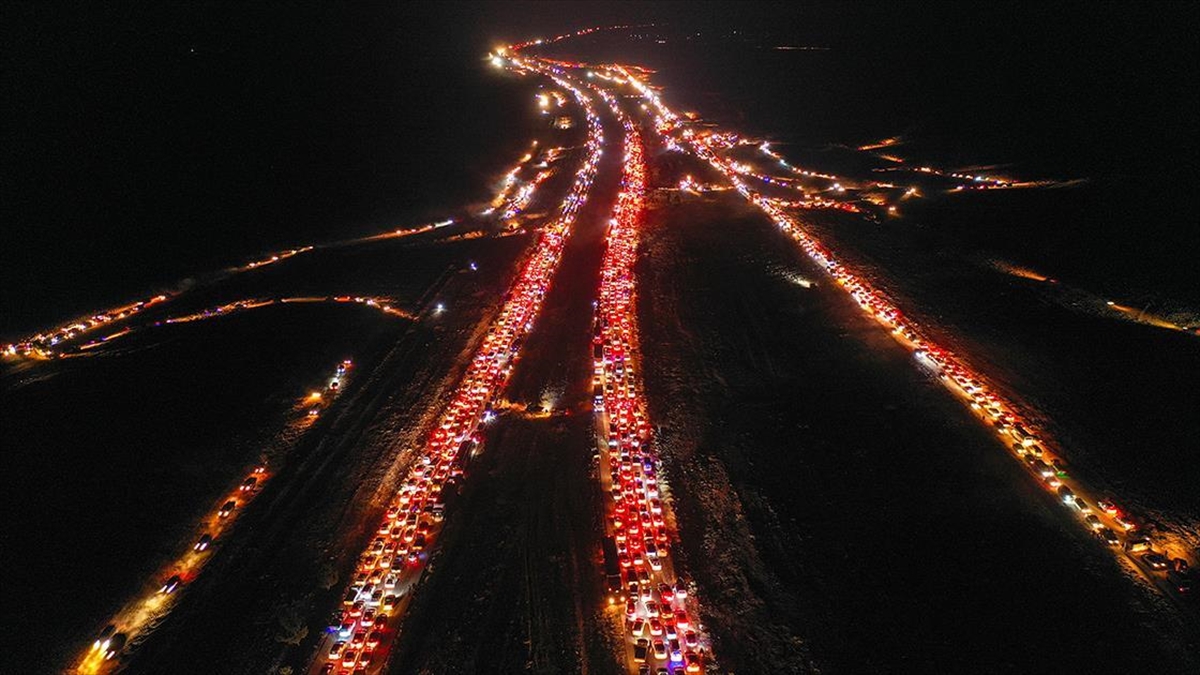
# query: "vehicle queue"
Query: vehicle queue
1107,521
396,557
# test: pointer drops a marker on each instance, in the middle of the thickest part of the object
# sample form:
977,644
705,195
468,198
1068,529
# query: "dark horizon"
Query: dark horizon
143,147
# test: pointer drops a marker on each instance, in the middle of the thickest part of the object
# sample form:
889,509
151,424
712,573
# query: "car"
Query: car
359,639
1106,535
170,585
656,627
639,627
1082,506
389,602
327,669
691,661
1093,521
1181,582
346,630
681,619
640,650
349,658
248,484
103,639
335,652
1136,544
1155,561
227,508
1126,522
1041,468
115,644
660,650
691,639
202,543
374,638
1109,506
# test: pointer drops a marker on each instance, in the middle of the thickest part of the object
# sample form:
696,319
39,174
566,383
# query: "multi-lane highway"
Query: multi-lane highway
1162,561
654,611
396,557
655,605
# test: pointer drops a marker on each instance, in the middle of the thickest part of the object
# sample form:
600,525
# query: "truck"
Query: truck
612,570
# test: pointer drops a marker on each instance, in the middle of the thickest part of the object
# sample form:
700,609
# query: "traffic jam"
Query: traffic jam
44,345
141,615
1162,563
510,201
396,557
656,607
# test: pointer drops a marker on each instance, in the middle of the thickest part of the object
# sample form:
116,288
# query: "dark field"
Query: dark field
839,510
838,504
173,415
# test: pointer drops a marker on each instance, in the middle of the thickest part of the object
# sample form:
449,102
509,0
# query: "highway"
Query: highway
388,474
1156,559
657,608
140,615
396,557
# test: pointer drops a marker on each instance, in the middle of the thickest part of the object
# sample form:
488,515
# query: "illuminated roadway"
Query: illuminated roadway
652,606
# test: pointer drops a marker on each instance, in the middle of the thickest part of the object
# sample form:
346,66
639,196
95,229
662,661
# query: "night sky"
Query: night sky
146,144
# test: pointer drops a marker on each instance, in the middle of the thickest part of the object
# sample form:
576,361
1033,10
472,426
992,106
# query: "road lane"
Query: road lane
397,557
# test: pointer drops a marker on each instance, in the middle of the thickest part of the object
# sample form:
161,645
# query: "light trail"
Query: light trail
1015,430
658,612
382,304
396,558
1080,300
133,623
277,257
514,48
881,144
49,344
42,345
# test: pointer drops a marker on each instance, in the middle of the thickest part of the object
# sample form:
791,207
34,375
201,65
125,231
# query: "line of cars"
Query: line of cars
659,612
144,612
45,345
49,343
1107,521
396,557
